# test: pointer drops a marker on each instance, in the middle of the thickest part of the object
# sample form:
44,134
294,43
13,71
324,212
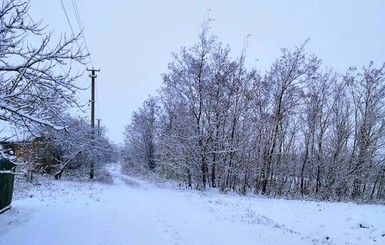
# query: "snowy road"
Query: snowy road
135,212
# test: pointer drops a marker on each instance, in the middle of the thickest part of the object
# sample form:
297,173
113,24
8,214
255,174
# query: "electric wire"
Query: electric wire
77,15
69,22
76,10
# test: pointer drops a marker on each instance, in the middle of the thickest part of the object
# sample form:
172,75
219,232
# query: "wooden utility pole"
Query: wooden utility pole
93,76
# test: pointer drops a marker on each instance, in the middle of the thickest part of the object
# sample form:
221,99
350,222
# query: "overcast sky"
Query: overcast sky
131,41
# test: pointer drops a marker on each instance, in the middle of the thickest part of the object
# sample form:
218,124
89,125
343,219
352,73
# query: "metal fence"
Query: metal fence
7,178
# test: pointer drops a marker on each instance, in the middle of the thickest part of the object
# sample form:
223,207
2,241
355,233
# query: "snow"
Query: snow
133,211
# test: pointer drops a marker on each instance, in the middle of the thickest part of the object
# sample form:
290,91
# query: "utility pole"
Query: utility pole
93,76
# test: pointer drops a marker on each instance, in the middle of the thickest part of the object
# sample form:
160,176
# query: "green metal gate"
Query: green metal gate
7,178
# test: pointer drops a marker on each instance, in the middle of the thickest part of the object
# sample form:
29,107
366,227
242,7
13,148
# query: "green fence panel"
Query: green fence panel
6,183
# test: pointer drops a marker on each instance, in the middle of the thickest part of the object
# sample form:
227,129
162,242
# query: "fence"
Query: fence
7,178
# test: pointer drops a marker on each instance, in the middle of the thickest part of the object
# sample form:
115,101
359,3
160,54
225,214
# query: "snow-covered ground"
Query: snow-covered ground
133,211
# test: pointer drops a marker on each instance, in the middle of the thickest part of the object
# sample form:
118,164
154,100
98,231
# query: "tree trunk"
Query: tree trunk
59,173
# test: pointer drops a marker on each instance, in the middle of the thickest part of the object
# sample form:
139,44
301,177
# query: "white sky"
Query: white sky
131,41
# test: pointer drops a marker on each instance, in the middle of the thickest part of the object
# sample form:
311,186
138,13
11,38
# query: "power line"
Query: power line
68,19
69,22
76,10
77,14
78,19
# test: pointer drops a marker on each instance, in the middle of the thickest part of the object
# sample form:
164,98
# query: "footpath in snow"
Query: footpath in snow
132,211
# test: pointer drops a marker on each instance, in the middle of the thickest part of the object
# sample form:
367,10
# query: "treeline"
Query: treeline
295,130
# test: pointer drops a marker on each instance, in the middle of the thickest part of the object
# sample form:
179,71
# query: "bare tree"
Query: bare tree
188,80
33,89
368,92
286,75
315,121
141,136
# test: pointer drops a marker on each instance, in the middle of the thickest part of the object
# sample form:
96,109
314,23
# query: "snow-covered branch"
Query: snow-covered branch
33,91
